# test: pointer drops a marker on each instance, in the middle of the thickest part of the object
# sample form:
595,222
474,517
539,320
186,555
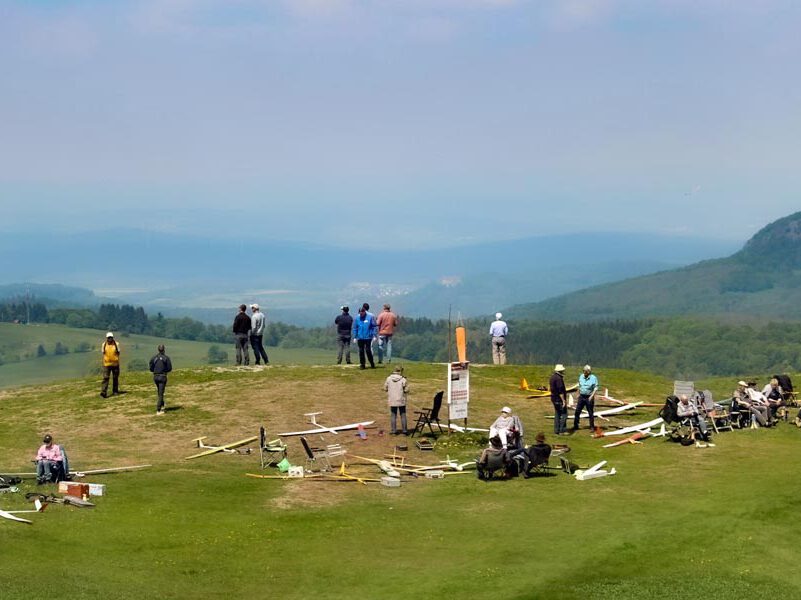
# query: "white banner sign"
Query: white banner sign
458,390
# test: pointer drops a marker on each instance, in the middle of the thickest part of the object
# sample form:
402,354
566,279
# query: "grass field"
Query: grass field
675,522
23,340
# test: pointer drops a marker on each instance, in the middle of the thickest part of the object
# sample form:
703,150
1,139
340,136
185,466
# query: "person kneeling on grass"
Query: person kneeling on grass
50,462
492,459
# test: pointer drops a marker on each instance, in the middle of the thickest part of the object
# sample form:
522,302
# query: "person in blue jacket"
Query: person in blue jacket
364,330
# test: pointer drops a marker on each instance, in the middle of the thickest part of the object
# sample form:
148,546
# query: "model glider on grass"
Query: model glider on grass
318,428
82,472
10,514
594,472
642,427
393,465
542,392
229,448
603,414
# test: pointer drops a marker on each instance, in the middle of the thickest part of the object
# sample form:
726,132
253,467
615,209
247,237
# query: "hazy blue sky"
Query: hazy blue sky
365,122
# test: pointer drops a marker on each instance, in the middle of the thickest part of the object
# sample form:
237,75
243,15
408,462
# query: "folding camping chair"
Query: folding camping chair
313,455
272,452
538,458
683,387
427,416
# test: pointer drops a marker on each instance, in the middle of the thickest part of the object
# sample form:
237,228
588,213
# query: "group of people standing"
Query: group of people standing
364,330
249,329
159,365
587,388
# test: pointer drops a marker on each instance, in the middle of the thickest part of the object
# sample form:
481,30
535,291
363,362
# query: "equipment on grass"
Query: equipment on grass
67,499
593,472
635,428
322,428
230,448
634,439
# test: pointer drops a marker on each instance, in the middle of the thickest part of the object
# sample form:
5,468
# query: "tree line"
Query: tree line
678,347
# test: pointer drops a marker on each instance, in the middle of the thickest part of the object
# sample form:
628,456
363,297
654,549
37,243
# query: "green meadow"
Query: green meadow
23,340
674,522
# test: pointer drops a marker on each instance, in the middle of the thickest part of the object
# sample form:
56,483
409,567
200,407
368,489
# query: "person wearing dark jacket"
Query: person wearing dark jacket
241,330
160,365
344,324
559,399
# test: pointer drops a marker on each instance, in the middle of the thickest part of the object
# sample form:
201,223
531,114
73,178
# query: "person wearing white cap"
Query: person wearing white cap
759,413
111,365
587,386
559,399
503,426
257,323
498,332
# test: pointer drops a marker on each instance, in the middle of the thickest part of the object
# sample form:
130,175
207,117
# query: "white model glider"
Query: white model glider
605,413
594,472
635,428
9,514
82,473
323,429
460,429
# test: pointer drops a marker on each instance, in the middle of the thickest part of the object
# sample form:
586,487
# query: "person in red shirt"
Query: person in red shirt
49,460
387,321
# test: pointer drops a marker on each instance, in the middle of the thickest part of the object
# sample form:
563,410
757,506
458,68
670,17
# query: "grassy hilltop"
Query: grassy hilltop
22,341
674,522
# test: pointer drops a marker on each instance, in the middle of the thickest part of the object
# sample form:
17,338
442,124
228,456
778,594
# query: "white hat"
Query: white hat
498,315
560,367
506,409
742,383
109,334
254,306
587,368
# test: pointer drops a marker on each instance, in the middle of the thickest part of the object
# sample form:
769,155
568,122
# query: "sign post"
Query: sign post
458,391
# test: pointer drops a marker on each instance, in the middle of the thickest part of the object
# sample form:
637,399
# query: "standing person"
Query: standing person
498,331
344,325
241,330
160,365
387,321
396,387
559,399
257,323
111,365
587,386
364,330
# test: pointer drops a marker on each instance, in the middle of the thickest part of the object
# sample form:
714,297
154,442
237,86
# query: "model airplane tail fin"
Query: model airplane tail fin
524,384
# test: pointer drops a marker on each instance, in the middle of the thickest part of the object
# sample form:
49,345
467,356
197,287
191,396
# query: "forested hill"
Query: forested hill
762,280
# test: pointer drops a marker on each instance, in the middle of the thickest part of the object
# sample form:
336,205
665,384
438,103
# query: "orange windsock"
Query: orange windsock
461,344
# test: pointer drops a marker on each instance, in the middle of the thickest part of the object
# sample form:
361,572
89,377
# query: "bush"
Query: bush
60,349
82,347
216,356
40,351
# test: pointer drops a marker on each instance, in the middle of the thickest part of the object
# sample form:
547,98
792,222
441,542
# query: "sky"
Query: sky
399,123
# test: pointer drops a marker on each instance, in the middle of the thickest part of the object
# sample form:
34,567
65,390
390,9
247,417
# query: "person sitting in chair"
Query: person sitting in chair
494,458
538,454
49,461
504,427
775,397
758,411
689,410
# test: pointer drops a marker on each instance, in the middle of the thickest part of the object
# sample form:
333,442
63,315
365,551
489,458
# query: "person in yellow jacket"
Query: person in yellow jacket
111,365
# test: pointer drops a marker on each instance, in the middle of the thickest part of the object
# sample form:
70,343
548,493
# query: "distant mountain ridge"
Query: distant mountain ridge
762,280
303,283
